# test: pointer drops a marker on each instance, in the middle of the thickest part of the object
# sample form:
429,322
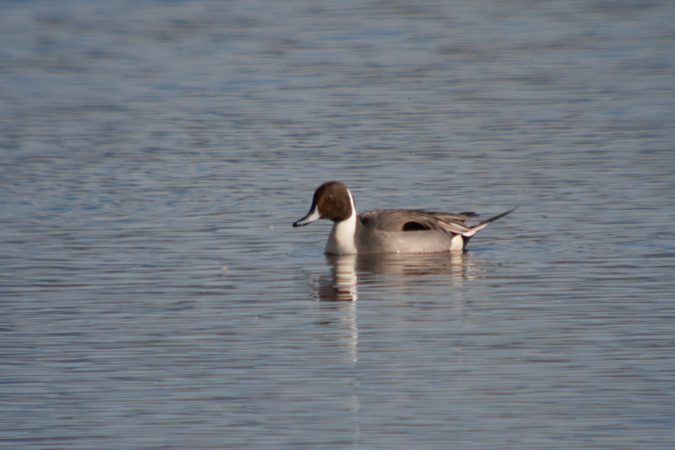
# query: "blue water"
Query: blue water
153,294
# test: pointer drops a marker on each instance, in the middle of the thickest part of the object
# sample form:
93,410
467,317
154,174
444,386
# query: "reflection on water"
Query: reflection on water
409,268
405,271
402,274
341,285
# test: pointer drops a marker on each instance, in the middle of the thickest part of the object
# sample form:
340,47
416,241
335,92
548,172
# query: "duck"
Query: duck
388,230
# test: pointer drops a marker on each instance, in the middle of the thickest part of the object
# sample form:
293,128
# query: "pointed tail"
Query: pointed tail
479,226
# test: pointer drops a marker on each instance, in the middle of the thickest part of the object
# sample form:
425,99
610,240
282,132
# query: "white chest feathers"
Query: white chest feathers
342,237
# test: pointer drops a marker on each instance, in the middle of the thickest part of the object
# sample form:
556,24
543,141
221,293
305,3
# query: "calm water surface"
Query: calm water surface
154,295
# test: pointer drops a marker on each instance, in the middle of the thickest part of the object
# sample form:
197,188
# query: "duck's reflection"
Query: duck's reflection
414,267
407,270
339,290
341,285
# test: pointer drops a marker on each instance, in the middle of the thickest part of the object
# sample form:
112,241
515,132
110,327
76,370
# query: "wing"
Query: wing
415,220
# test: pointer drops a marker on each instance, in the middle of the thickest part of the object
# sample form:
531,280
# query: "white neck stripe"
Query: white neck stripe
341,240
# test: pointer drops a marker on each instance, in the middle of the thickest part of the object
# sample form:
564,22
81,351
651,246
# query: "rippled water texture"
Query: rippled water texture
153,156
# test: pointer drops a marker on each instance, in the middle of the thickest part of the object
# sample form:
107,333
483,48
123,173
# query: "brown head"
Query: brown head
332,200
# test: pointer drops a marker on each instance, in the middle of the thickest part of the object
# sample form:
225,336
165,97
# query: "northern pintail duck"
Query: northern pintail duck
388,230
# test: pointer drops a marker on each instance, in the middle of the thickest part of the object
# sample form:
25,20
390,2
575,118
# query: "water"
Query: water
153,157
